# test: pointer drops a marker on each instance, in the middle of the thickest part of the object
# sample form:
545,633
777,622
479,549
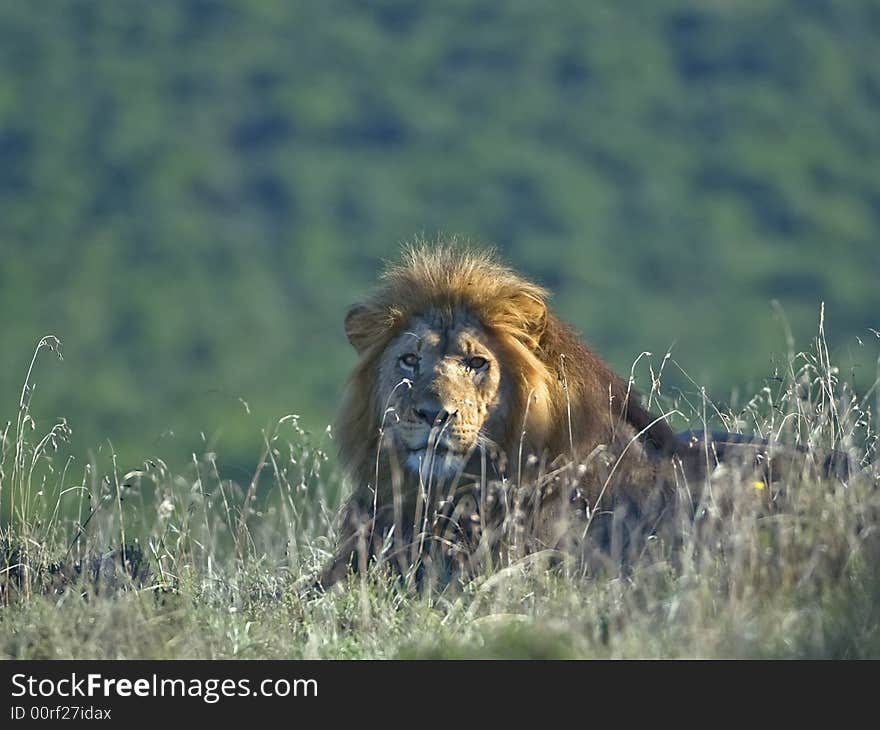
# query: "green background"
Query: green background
192,192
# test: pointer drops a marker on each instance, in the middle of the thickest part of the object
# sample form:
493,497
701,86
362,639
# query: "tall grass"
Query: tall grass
103,561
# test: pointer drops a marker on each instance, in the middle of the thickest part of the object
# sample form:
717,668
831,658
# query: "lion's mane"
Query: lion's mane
556,373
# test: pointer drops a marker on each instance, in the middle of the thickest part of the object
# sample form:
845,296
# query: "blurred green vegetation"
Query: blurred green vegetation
192,192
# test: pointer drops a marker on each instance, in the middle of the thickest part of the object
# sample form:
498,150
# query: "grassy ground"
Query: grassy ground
787,570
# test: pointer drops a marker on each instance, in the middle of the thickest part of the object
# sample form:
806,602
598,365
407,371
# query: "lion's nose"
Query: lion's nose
434,416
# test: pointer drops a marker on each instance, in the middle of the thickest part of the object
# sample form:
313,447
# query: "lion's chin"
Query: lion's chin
440,465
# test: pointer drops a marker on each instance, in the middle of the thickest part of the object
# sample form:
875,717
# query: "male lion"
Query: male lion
472,406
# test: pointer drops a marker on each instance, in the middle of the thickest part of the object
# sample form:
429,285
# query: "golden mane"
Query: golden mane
556,373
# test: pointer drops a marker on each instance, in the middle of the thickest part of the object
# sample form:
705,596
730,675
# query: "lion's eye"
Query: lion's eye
477,362
410,360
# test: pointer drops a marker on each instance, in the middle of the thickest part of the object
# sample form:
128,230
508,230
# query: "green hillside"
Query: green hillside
192,192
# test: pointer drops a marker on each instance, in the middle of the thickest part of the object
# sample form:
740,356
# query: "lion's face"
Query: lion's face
442,393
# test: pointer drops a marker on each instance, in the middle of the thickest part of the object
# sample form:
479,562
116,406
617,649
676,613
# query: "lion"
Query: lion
465,379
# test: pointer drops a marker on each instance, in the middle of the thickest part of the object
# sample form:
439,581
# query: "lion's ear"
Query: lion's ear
361,327
532,313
